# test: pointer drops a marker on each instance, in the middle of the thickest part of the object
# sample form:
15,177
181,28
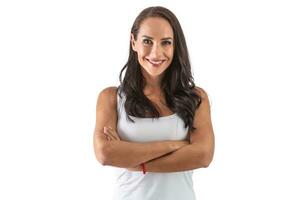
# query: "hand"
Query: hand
110,134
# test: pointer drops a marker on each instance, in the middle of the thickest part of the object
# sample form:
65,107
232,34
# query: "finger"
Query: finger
115,134
109,130
107,134
105,129
117,137
111,136
107,138
114,137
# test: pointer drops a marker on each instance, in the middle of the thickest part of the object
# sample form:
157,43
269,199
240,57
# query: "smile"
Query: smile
155,63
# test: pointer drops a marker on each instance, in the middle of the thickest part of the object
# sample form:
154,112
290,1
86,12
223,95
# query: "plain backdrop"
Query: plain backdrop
56,56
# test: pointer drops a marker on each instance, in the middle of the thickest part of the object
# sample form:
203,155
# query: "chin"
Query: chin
155,73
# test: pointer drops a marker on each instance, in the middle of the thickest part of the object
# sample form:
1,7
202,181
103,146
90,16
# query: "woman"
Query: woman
155,128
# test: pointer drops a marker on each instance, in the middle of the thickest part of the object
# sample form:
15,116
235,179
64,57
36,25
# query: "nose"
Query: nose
156,52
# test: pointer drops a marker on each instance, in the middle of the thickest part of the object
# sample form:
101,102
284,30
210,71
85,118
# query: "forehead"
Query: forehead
156,27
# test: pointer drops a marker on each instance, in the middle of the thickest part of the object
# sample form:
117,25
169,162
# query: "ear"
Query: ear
133,45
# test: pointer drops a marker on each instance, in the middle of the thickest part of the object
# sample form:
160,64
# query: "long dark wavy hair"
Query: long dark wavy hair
177,83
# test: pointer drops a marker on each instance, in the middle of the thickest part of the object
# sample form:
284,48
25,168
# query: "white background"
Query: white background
56,56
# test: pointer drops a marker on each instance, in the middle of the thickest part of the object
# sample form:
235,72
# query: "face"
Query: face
154,46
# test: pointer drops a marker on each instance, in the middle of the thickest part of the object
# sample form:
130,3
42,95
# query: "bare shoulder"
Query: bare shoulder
108,95
201,92
204,108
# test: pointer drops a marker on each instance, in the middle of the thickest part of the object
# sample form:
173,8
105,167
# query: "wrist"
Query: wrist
143,168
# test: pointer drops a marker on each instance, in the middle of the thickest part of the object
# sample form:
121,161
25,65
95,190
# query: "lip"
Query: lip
155,64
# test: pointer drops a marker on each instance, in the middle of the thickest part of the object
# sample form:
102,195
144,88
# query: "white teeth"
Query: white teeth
155,62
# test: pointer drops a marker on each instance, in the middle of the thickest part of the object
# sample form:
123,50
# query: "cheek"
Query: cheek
145,51
170,53
142,52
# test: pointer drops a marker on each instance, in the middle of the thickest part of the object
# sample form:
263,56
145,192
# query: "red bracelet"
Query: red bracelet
143,167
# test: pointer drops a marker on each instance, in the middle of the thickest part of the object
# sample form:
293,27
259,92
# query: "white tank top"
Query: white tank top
151,186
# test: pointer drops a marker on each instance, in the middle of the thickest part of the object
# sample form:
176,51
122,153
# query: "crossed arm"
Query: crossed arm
164,156
185,156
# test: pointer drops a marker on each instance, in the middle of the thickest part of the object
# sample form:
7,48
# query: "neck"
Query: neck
152,83
152,87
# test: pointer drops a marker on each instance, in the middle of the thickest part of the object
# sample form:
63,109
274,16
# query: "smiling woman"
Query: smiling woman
156,122
154,46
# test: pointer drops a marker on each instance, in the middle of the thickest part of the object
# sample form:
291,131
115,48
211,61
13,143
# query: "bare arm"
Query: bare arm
130,154
187,158
121,153
195,155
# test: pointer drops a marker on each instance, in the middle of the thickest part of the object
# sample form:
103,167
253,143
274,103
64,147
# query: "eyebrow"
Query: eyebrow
167,38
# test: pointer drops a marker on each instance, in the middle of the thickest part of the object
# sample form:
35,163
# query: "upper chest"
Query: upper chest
167,127
161,105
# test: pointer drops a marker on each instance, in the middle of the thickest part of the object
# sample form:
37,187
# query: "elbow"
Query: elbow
205,163
102,155
205,159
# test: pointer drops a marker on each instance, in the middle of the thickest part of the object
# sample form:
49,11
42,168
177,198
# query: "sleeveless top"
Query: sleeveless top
133,185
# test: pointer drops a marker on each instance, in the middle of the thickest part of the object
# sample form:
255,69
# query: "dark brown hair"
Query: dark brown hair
177,83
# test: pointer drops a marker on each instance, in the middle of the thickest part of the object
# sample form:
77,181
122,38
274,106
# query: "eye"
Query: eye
147,41
166,42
